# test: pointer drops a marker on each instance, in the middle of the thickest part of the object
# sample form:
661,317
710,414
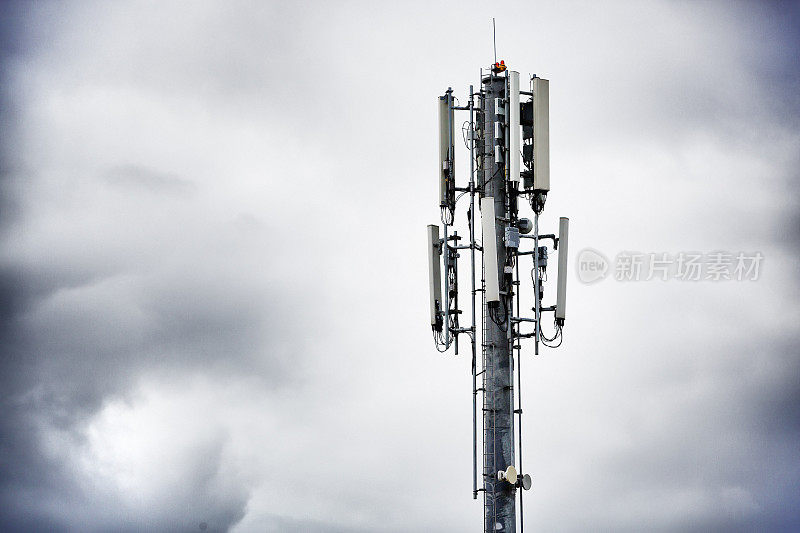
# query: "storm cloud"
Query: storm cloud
213,285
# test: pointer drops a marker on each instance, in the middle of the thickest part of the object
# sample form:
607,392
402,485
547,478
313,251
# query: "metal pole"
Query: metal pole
519,404
472,277
499,508
537,309
511,218
446,246
446,298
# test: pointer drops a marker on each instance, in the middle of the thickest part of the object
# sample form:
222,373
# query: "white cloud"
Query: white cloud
222,274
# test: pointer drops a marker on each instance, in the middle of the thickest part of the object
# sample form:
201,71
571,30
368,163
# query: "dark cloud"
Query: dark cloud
86,315
10,37
68,347
732,468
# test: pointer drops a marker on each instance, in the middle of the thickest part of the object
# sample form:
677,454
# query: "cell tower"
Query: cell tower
506,127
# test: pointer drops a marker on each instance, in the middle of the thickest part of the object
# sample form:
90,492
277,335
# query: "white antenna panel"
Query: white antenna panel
490,249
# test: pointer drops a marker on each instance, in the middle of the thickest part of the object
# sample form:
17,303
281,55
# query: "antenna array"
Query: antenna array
509,150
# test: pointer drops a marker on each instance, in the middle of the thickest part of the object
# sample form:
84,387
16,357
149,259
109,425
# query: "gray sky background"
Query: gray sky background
213,284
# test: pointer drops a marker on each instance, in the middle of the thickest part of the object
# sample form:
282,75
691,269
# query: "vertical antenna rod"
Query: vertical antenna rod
494,40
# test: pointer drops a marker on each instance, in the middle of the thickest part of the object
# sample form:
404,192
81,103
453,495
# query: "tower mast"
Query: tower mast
498,416
503,133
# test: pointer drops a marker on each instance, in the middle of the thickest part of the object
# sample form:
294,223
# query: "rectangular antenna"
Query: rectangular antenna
435,274
446,148
541,134
490,249
513,126
563,250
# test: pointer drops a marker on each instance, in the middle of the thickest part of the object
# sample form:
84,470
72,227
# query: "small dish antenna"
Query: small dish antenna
510,475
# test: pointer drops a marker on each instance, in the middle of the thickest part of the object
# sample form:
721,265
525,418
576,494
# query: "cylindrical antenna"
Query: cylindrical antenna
563,250
494,40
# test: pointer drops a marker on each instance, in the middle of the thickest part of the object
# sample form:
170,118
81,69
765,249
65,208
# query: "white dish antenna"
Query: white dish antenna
509,474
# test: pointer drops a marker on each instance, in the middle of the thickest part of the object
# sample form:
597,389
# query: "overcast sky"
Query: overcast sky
213,285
